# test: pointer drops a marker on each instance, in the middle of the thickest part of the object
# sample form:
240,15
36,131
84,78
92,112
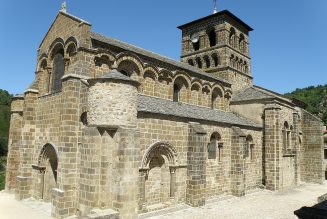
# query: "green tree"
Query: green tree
315,98
5,101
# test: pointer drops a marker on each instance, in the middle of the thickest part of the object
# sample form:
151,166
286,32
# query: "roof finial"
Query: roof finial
215,6
63,7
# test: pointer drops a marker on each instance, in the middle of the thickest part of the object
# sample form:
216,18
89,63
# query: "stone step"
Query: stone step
163,211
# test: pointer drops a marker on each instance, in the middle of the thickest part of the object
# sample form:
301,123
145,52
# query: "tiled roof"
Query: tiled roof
251,93
258,93
138,50
169,108
114,74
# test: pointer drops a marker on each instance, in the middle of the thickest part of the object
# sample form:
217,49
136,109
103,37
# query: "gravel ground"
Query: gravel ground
261,204
27,209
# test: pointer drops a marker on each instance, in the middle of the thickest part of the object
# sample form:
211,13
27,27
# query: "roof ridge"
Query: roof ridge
74,17
270,92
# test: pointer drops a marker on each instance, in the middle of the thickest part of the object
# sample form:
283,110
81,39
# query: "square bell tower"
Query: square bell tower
219,44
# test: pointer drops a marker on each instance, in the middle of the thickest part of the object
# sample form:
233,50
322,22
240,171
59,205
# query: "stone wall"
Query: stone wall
112,104
218,178
15,140
311,160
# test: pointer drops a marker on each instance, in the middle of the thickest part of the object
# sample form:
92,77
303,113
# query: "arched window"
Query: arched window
206,61
177,89
236,64
71,49
216,98
286,137
83,118
212,37
196,45
242,43
130,68
249,147
232,61
241,65
199,62
246,68
180,89
195,94
215,142
216,59
190,62
232,37
58,70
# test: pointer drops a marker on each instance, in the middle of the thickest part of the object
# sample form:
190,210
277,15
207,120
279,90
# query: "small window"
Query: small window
199,62
214,97
213,145
286,132
58,70
190,62
84,118
216,59
176,93
207,61
242,43
232,37
212,38
249,148
196,45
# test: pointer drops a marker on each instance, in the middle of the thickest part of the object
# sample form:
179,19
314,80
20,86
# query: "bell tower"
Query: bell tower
219,44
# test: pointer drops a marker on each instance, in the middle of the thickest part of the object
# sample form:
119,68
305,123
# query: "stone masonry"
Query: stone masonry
108,129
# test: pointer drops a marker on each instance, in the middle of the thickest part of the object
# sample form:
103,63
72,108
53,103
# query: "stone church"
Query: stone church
108,128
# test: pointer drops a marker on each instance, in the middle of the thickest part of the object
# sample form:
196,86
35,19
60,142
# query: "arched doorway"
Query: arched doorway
157,174
47,166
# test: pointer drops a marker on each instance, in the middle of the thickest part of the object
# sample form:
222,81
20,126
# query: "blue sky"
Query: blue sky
288,45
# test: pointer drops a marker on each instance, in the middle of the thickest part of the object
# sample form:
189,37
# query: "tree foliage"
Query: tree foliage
5,101
315,98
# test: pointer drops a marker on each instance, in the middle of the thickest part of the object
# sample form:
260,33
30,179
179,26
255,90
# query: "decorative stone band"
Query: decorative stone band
75,76
31,91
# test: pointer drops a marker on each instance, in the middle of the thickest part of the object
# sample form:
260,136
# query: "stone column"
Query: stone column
196,166
272,146
143,174
68,169
90,170
127,173
24,180
14,141
237,162
172,182
202,39
296,149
